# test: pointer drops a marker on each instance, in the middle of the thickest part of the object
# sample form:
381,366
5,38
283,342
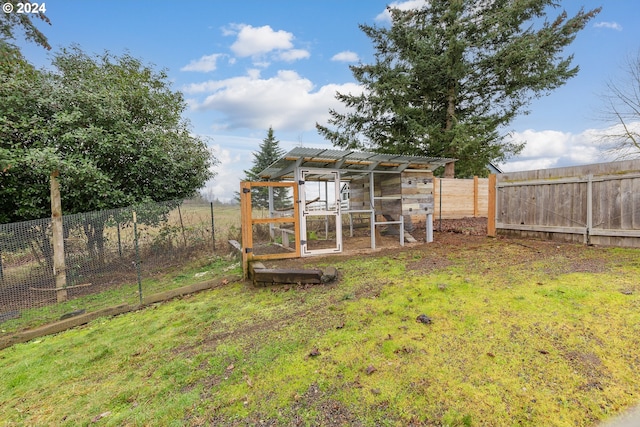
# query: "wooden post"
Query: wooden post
587,233
296,221
59,267
184,237
246,225
436,209
475,196
138,266
491,220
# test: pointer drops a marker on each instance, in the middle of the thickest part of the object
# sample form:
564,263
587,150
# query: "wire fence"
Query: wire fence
111,257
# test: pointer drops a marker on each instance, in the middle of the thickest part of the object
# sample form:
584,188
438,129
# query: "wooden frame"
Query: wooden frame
248,221
301,174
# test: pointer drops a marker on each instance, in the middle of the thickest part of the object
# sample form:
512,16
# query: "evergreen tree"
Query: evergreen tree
270,151
450,76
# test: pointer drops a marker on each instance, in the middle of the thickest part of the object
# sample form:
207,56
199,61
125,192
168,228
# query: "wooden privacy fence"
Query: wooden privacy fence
460,198
594,204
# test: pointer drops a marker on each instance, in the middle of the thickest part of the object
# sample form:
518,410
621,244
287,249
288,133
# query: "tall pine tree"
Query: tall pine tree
269,152
449,77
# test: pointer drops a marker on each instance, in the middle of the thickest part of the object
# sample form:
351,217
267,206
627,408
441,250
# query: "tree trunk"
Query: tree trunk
449,168
451,108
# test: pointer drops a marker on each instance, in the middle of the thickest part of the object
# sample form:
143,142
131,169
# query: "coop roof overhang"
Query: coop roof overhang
351,164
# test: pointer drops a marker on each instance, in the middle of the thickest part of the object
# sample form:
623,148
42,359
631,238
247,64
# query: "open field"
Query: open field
519,333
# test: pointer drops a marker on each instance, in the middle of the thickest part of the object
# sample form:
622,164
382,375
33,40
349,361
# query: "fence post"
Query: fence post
135,239
587,236
184,237
440,208
1,268
119,240
59,267
213,230
491,214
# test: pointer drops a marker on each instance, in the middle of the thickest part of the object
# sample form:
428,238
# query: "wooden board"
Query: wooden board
461,198
271,276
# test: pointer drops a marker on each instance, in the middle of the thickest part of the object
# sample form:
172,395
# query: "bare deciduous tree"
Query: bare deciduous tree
621,111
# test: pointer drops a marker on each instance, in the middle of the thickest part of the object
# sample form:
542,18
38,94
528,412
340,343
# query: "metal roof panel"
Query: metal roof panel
356,161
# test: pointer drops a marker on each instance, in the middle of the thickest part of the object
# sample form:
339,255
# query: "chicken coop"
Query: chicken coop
319,201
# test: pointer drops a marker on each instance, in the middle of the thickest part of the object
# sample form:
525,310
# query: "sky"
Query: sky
246,65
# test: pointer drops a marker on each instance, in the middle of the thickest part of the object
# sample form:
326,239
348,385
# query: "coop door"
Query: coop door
320,220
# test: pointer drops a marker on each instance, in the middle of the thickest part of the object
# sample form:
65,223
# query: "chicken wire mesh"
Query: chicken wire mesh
101,261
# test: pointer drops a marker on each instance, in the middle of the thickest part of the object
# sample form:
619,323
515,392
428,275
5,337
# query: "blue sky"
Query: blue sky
249,64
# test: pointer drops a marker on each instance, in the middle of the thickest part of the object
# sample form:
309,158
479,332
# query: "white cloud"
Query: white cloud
263,44
293,55
549,149
610,25
346,56
205,64
229,171
285,101
235,156
544,143
385,16
252,41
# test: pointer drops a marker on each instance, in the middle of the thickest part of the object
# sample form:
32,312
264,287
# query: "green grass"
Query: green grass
522,334
197,271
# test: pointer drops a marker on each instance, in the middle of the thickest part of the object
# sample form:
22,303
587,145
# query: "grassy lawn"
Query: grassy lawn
522,333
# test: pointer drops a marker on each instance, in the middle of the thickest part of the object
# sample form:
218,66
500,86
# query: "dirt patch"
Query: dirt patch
330,412
590,367
464,237
468,226
456,233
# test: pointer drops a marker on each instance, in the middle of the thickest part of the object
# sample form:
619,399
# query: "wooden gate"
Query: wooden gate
248,222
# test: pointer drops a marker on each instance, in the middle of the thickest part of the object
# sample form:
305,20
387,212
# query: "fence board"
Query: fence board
460,197
554,203
635,204
626,218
